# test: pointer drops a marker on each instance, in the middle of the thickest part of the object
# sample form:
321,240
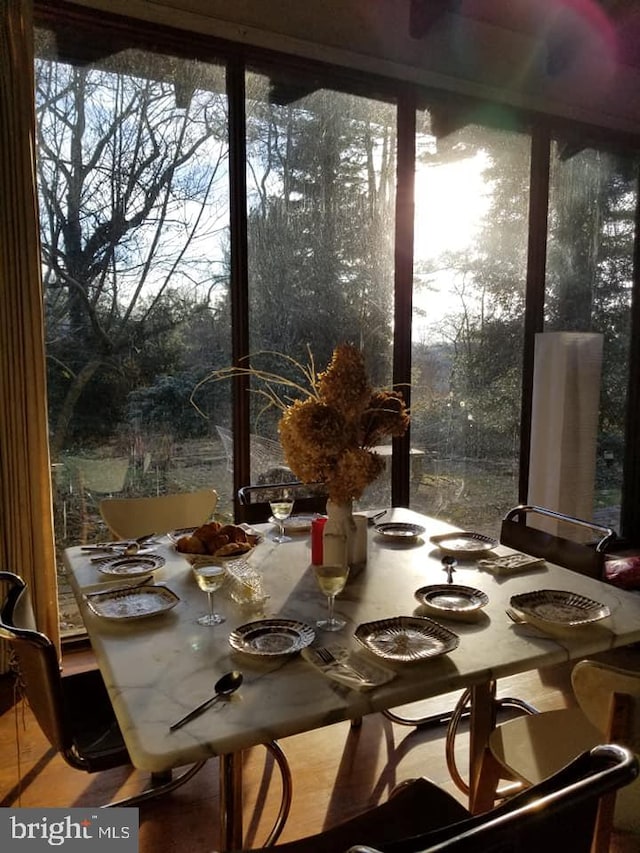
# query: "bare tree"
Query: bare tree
132,179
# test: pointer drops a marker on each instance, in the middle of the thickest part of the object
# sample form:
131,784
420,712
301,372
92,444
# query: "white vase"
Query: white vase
339,534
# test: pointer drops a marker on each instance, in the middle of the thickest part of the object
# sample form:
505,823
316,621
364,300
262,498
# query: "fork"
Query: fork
519,619
138,582
327,656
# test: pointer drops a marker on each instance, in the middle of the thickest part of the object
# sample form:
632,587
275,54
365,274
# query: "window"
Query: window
133,182
470,267
157,273
321,217
592,208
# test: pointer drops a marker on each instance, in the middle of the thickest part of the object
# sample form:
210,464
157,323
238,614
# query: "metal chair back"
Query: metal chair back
586,558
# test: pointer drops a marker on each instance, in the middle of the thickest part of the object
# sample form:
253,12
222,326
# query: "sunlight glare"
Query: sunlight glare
451,201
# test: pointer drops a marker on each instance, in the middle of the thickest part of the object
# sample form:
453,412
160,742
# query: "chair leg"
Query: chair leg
441,719
169,784
287,784
461,711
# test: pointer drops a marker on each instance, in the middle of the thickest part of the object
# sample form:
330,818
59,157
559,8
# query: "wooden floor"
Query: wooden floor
338,772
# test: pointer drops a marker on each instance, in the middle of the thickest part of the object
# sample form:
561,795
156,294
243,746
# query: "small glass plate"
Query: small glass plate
130,567
406,638
464,545
295,523
136,603
559,607
399,531
272,637
452,600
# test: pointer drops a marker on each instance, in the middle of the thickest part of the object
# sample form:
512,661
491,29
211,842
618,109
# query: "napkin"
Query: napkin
373,674
509,564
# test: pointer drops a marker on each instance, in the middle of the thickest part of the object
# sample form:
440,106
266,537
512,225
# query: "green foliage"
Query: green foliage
164,407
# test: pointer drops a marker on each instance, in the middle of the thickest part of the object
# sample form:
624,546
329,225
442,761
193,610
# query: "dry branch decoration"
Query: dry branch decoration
330,420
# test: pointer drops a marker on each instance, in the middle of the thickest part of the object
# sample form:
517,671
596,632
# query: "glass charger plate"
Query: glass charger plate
130,567
136,603
465,545
399,531
179,532
271,637
295,523
217,558
559,607
452,600
406,638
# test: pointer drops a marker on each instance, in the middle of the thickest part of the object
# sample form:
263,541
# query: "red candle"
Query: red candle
317,527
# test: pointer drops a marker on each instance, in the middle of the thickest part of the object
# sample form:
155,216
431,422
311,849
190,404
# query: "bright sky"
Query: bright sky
451,201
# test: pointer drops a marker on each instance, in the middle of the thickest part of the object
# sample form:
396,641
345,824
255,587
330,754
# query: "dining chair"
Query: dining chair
533,748
557,814
73,711
585,557
254,500
128,518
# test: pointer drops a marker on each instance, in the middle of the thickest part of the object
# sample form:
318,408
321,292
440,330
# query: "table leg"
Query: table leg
482,723
231,801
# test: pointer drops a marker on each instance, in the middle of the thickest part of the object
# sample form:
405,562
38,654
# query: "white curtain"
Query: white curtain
564,424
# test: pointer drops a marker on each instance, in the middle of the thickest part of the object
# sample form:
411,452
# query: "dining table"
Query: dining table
156,669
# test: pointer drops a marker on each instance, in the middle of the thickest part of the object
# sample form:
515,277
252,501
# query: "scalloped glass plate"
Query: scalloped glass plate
452,600
399,531
138,603
559,607
272,637
465,545
130,567
406,638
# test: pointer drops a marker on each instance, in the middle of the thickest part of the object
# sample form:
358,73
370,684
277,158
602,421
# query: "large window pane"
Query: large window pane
471,226
321,202
588,290
133,182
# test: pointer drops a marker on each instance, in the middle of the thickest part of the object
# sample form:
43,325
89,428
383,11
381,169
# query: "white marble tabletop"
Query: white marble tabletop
157,669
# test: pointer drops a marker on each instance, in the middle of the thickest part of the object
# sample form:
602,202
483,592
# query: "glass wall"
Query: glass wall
134,206
470,266
593,198
134,169
321,171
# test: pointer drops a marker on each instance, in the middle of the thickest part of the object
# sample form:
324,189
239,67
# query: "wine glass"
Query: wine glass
209,578
331,580
281,510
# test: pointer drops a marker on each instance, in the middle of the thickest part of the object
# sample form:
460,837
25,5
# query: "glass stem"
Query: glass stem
330,601
210,597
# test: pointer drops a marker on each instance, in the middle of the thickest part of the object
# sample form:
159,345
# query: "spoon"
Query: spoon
225,686
449,564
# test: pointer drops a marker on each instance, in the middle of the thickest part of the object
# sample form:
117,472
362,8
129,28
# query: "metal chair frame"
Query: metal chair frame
587,558
307,497
558,813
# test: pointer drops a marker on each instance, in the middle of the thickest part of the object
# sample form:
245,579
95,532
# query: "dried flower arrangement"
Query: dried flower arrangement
327,437
327,434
